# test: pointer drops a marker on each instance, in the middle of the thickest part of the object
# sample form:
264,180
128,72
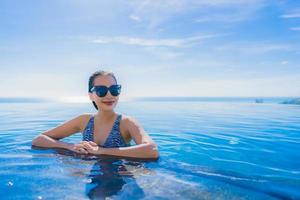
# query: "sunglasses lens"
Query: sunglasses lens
101,91
115,90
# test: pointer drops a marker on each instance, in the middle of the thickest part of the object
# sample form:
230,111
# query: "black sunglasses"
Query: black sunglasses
102,90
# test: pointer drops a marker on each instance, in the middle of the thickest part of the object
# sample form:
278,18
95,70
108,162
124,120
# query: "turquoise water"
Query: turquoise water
210,149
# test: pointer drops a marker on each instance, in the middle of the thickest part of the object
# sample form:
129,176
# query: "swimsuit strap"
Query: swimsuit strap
89,130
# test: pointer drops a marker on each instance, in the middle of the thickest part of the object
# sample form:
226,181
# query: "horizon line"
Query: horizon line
84,99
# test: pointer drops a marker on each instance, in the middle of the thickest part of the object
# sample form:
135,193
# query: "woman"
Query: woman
106,132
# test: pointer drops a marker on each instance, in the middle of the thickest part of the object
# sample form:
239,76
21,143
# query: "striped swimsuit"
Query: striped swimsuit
114,138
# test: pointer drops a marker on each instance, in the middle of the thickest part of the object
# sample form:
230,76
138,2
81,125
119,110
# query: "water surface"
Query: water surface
209,150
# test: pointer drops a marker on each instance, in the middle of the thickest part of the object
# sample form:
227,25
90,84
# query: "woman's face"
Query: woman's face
108,102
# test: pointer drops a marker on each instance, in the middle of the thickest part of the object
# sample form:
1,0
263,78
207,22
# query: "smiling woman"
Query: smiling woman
106,132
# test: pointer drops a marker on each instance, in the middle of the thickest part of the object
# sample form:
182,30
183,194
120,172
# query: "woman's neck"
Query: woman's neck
105,115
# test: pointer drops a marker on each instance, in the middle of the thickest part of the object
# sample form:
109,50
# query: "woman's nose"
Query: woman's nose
109,94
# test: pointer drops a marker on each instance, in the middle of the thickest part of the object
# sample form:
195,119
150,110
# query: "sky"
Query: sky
178,48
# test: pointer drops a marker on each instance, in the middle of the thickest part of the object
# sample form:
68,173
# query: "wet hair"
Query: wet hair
93,77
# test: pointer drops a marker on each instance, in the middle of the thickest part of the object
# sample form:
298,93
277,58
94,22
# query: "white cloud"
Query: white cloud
234,17
159,11
164,53
34,84
284,62
255,47
295,28
292,14
267,86
135,18
170,42
229,12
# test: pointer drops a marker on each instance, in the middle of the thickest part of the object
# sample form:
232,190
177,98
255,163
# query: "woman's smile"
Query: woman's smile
109,102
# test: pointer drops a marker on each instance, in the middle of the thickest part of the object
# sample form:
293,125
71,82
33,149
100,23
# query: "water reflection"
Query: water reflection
107,178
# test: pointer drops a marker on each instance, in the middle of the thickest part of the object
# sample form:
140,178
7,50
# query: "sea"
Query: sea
210,148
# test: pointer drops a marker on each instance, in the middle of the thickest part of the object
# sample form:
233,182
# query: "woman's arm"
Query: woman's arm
145,147
48,142
50,138
147,150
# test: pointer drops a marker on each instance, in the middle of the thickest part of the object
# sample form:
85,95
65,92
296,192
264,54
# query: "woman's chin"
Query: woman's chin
107,108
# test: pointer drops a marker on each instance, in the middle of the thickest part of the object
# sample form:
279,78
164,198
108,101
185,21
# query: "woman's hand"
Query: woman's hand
78,148
91,147
86,147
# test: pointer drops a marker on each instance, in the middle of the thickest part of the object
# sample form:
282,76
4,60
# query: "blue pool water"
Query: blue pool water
210,149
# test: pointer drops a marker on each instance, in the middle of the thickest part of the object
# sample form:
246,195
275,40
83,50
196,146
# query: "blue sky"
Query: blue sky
155,48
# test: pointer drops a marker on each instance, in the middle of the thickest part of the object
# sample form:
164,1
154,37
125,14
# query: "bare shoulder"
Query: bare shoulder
85,116
69,127
132,125
136,130
129,121
83,120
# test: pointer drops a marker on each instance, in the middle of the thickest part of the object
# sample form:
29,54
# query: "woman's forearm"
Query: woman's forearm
148,150
46,141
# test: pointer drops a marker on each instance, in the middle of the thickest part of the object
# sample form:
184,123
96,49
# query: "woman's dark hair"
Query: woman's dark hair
93,77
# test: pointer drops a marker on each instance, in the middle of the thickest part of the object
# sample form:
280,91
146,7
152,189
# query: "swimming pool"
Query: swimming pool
208,149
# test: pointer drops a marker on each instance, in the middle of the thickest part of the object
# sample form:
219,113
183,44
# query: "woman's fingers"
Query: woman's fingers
93,143
88,142
79,148
83,142
85,147
79,145
82,150
88,147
